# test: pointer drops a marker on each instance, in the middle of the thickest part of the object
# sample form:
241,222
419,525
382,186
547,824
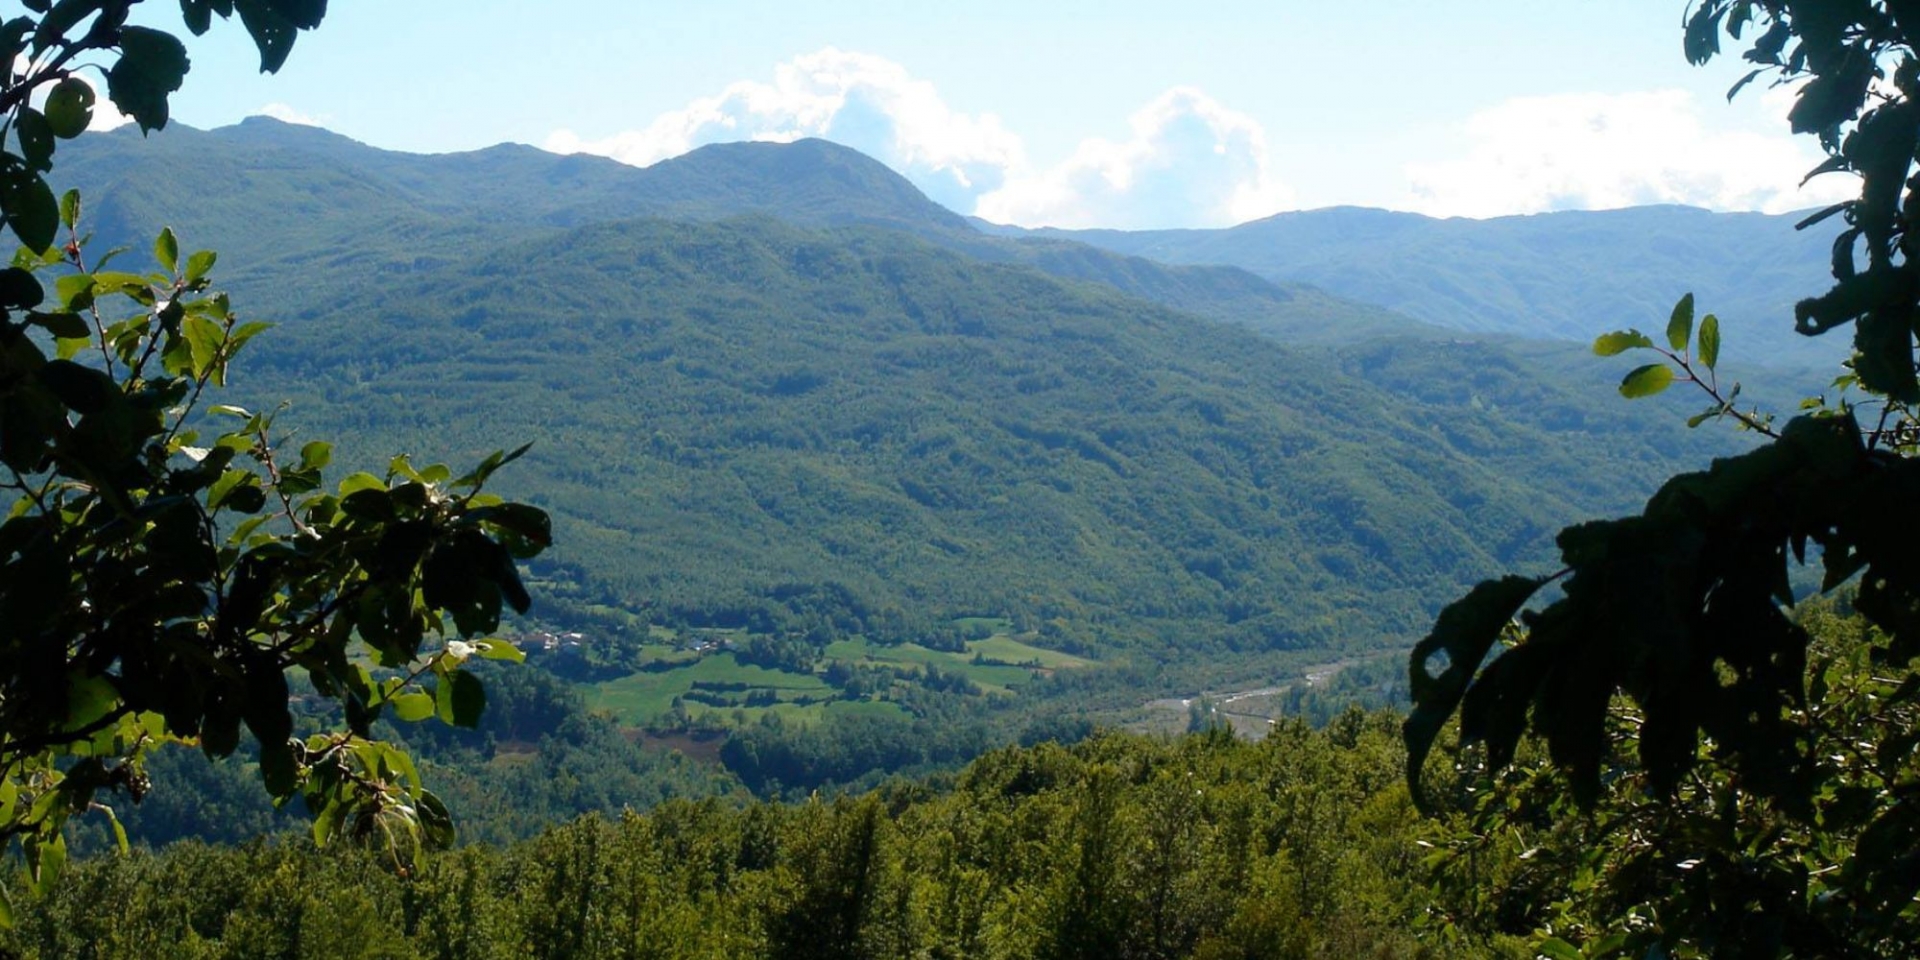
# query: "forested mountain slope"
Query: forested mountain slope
724,411
903,415
1566,275
296,198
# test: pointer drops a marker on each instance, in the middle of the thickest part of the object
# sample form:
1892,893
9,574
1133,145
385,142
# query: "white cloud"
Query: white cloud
1601,151
1189,161
287,114
866,102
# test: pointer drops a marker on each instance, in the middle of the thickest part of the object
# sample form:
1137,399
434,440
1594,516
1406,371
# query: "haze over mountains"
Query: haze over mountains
761,374
1567,276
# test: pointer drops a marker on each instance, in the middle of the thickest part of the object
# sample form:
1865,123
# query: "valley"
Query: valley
822,456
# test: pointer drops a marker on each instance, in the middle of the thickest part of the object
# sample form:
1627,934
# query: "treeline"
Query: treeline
1121,847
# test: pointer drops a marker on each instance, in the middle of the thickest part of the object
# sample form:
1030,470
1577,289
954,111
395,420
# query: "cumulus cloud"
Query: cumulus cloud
1188,161
287,114
1601,151
866,102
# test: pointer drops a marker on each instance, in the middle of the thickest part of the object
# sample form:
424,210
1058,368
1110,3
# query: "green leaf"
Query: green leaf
70,108
166,249
70,209
151,67
1680,326
316,455
327,822
1646,381
1709,351
119,831
89,699
199,264
499,650
49,864
1620,341
412,707
205,337
1554,948
74,291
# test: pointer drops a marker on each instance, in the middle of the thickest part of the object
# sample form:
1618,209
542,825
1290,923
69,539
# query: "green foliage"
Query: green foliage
1686,709
1118,847
164,562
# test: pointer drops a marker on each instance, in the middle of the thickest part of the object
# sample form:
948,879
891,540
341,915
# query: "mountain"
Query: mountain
848,404
307,196
1567,276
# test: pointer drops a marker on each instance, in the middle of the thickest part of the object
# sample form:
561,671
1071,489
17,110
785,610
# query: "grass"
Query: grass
641,697
1008,650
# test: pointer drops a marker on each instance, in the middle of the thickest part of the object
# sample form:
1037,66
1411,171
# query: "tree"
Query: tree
1669,674
166,562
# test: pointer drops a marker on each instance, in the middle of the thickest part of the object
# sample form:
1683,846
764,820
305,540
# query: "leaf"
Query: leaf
435,821
90,698
206,338
1465,631
1646,381
327,822
166,249
459,699
273,31
19,289
316,455
69,108
70,209
1709,343
50,864
500,650
32,210
1620,341
151,67
199,264
83,389
1554,948
469,698
36,138
412,707
1680,325
119,830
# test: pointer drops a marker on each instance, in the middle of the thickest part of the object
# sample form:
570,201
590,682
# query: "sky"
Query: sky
1120,114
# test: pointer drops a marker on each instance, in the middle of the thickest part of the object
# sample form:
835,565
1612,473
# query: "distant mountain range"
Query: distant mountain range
1568,276
761,372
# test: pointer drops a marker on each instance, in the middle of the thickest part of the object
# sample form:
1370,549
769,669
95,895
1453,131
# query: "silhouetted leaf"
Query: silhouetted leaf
1465,631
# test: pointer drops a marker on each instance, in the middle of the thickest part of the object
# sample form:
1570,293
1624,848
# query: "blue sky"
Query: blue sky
1079,114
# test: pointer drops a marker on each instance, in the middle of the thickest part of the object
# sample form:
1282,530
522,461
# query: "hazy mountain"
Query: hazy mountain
1560,275
300,195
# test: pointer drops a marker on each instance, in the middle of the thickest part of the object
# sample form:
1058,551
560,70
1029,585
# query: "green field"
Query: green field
643,696
1008,650
999,665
